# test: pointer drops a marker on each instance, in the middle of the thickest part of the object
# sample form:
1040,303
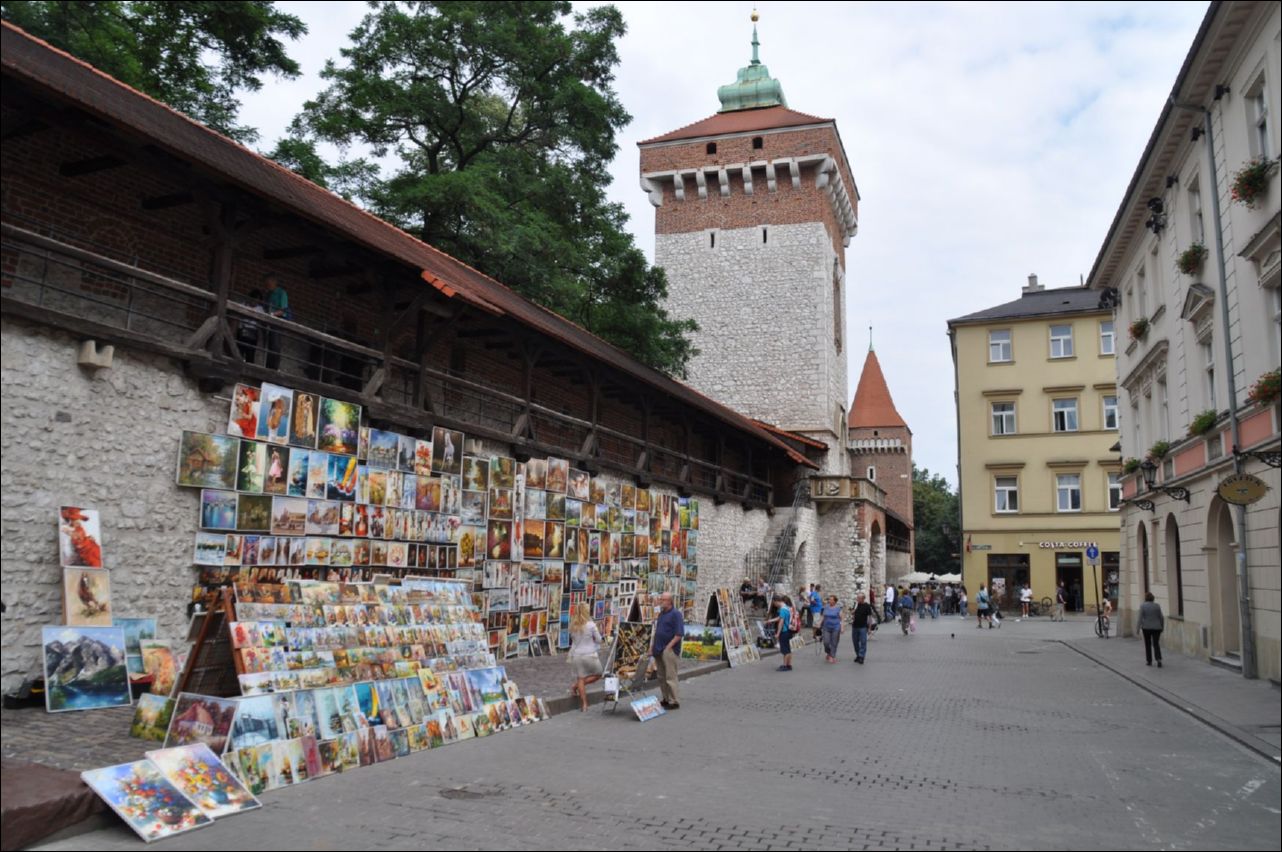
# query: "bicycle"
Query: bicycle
1101,625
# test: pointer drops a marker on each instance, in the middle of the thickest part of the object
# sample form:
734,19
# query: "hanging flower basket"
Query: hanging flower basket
1138,329
1266,389
1158,451
1191,259
1251,182
1131,465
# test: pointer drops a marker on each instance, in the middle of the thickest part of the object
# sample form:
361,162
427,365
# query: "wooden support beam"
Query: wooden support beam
221,219
90,165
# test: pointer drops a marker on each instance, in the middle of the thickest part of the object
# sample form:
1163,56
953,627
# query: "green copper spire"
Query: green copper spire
754,87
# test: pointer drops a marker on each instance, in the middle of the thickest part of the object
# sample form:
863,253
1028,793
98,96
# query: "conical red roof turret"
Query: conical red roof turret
873,406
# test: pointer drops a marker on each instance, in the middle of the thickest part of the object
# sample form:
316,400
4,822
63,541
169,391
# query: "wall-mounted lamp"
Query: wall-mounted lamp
1196,134
1149,471
1171,180
1220,90
1157,215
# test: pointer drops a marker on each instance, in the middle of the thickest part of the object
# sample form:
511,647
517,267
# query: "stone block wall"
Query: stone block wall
105,440
765,312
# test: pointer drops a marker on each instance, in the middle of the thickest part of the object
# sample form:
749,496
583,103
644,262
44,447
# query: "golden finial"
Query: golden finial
755,17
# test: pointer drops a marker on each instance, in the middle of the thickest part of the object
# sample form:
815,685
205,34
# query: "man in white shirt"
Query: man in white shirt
890,599
1025,598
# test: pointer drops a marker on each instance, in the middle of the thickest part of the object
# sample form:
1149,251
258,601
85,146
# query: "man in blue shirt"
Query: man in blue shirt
669,627
905,610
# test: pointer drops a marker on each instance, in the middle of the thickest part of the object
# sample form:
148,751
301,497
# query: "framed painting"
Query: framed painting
242,421
86,597
84,668
204,779
275,406
151,717
145,799
339,427
79,537
303,420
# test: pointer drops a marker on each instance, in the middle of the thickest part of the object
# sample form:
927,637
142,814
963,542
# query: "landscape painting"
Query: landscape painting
84,668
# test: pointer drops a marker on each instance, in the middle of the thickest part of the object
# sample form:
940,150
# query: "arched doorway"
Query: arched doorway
1221,567
1174,567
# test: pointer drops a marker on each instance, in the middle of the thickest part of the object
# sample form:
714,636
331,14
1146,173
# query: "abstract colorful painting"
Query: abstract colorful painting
340,427
203,778
84,668
147,801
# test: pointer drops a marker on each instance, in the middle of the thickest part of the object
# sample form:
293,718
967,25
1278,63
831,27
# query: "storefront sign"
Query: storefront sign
981,547
1065,545
1242,489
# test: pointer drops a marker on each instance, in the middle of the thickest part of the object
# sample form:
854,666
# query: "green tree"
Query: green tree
500,120
935,518
193,56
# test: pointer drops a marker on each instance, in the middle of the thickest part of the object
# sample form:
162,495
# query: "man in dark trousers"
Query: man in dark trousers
669,627
862,620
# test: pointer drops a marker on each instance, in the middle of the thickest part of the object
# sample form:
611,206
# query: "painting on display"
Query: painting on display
197,772
151,718
276,479
702,642
218,510
303,420
339,430
79,537
84,668
159,662
147,801
447,451
251,467
201,719
86,597
275,406
207,461
242,421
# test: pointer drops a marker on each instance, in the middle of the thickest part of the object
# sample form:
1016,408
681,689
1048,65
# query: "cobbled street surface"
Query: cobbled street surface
949,738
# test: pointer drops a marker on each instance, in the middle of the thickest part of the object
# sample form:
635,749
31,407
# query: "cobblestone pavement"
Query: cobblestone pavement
949,738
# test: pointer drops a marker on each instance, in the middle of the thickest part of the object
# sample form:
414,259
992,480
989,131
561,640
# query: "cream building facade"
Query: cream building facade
1037,413
1195,335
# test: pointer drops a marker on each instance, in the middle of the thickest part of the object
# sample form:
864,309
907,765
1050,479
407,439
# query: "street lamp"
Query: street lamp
1149,470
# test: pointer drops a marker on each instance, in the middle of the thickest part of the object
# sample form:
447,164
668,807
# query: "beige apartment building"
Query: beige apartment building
1192,264
1037,420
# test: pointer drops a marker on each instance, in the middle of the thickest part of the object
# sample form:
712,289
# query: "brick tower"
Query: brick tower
755,207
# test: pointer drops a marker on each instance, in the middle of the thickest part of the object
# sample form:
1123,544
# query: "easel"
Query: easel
637,684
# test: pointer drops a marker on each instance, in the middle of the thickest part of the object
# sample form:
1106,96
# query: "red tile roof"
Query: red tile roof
740,121
39,64
873,407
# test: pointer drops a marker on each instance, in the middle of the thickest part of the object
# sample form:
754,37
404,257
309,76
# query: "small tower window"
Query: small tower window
712,240
758,143
764,236
712,147
872,474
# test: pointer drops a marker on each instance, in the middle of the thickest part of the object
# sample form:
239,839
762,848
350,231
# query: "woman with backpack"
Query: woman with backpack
981,609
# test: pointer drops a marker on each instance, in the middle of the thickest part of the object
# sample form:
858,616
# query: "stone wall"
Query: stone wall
765,312
105,440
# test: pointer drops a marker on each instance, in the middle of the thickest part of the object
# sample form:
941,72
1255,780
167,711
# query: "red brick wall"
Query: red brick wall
894,469
784,206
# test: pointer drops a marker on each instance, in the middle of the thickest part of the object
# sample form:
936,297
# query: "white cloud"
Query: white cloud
988,141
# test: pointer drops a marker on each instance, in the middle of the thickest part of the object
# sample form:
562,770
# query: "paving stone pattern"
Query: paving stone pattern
950,738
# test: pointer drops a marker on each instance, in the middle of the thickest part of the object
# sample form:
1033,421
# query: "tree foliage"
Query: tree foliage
193,56
499,122
936,523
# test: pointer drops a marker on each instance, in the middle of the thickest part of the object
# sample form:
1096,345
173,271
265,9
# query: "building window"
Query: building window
758,143
1275,308
1006,491
1114,492
1141,294
1065,415
1163,410
1196,225
999,348
1068,487
712,240
1110,412
836,305
1208,365
1003,418
1061,341
765,236
1258,112
712,147
872,473
1107,340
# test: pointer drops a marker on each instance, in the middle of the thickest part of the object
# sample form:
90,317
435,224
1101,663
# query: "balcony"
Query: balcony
843,489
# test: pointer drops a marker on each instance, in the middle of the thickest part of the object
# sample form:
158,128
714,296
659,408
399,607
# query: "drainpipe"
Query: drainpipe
1239,512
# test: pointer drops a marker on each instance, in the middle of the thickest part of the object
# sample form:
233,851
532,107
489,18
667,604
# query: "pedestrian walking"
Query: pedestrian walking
1152,622
1061,598
905,610
815,603
783,622
669,627
831,624
982,609
889,603
961,603
1025,599
585,652
863,620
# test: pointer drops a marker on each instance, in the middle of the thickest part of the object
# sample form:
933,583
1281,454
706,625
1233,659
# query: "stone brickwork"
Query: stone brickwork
108,441
766,316
726,534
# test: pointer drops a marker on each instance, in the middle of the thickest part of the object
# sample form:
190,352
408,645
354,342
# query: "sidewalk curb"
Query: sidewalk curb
567,703
1233,732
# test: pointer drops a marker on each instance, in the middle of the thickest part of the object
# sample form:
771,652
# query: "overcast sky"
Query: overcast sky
988,141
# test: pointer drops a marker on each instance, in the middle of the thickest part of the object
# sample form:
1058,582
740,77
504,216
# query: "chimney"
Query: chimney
1033,286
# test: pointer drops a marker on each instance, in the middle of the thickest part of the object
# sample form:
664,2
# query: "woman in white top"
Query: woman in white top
585,656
